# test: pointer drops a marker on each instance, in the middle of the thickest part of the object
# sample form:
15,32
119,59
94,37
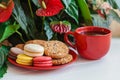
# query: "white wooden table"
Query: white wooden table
107,68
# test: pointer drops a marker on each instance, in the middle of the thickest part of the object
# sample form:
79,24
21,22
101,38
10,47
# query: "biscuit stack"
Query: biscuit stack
58,51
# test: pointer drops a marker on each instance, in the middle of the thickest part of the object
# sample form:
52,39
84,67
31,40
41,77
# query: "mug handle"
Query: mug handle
66,39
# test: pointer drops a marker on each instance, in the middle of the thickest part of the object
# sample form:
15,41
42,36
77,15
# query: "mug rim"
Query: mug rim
85,28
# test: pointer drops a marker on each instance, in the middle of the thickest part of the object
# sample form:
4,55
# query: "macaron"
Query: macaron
12,56
24,59
43,65
42,61
33,50
42,58
14,51
33,54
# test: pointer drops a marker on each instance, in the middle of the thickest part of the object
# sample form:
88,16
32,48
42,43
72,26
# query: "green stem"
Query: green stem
20,36
29,3
61,14
85,12
55,36
43,20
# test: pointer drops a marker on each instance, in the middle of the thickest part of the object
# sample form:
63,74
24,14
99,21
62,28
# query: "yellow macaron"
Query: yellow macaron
24,59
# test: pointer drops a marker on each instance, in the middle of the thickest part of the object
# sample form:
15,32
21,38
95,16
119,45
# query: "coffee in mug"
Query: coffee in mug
91,42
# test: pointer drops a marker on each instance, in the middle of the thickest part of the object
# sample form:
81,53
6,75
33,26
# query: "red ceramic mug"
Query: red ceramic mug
91,42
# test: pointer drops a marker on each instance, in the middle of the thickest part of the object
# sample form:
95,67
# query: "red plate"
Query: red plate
44,68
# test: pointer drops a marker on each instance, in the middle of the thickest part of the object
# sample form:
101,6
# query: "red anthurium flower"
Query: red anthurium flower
6,10
49,7
60,26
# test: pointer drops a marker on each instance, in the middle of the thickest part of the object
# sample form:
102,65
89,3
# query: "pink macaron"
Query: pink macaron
14,51
42,61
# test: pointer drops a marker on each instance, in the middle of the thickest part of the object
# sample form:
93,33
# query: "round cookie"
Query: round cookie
64,60
40,42
56,49
21,46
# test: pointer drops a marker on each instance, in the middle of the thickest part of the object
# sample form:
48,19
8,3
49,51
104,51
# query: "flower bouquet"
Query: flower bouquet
40,19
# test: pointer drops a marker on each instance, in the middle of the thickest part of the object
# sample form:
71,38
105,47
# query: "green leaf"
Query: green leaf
113,3
118,3
4,1
3,70
85,11
99,21
3,54
67,23
7,31
67,2
3,60
36,3
25,18
19,15
48,30
113,16
71,9
31,27
2,27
